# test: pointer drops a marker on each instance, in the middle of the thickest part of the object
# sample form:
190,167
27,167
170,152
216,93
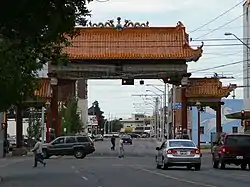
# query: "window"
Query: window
238,140
202,130
83,139
181,144
235,129
70,140
58,141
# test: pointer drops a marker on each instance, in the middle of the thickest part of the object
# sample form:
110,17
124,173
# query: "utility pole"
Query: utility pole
157,117
165,130
173,110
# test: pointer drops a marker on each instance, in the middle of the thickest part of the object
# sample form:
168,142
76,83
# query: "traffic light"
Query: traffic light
128,82
242,114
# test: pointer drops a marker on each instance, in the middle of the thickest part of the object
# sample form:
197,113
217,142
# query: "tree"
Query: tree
33,33
116,125
34,129
71,119
96,110
128,129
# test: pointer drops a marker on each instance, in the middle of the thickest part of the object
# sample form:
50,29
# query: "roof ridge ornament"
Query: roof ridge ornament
119,25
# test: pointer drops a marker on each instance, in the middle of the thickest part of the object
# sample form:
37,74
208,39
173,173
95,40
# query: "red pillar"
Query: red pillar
218,118
199,128
184,109
54,110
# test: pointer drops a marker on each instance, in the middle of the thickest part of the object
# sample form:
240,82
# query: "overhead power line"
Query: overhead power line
216,67
218,28
214,19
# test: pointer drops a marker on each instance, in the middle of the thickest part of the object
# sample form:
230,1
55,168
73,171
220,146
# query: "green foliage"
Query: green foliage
116,125
34,129
128,129
70,118
31,34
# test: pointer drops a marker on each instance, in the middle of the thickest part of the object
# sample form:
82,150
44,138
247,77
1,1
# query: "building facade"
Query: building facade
175,111
208,120
246,54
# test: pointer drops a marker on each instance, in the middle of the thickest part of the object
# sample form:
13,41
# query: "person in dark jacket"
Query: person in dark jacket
113,142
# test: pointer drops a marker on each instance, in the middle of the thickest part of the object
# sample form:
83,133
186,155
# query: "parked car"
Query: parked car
127,139
78,146
178,152
98,137
134,135
231,149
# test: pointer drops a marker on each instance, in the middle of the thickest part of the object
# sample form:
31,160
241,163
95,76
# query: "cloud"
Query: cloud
131,6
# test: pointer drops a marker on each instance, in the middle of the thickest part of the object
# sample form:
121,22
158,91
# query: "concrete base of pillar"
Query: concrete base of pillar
83,109
19,152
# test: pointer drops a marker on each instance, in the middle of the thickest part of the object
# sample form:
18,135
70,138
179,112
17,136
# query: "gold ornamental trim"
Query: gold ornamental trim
207,91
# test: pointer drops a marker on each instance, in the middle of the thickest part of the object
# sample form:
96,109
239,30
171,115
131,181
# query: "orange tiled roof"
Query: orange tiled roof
45,89
133,43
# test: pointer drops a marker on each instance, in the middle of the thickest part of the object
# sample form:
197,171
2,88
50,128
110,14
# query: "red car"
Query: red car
230,149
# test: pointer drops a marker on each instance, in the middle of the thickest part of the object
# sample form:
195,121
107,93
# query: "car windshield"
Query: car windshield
126,136
181,144
239,140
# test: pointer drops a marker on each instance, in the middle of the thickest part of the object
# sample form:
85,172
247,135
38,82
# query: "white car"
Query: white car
178,152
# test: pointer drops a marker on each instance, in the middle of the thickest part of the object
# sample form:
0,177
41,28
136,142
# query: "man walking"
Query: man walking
37,150
113,142
121,149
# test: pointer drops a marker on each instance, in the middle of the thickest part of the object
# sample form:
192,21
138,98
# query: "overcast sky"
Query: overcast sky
116,99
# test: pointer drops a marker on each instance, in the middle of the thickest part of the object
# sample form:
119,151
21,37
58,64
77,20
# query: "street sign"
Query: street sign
176,105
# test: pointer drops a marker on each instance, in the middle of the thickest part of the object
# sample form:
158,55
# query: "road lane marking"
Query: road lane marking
85,178
175,178
228,174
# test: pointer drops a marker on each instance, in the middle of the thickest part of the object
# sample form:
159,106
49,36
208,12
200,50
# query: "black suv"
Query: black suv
79,146
231,149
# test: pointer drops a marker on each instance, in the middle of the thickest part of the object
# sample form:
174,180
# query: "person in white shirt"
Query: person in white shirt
121,151
38,150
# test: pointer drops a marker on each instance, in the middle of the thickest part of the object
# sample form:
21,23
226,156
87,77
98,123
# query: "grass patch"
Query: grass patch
205,146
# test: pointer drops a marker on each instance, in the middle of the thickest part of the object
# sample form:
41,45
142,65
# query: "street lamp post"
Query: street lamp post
198,105
161,120
247,59
54,105
232,34
48,124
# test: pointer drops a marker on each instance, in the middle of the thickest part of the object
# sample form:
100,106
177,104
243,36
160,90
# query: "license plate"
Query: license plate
126,141
183,152
239,157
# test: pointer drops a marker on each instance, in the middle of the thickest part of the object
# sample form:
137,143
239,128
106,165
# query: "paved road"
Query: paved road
109,171
140,147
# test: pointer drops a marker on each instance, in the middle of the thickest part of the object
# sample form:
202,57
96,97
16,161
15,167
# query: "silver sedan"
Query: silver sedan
178,152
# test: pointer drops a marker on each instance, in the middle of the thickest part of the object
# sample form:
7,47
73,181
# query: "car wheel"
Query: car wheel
215,163
165,166
45,154
243,166
221,164
79,154
131,143
189,167
197,167
158,166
